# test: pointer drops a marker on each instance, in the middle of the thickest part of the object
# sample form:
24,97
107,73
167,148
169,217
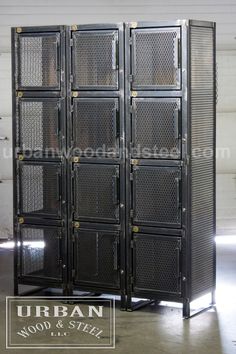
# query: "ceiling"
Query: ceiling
49,12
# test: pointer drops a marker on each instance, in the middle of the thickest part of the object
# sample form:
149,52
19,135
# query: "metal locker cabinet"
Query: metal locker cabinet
39,167
96,172
170,183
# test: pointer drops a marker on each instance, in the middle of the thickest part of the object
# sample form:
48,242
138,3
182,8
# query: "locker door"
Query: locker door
38,61
156,263
96,126
39,189
39,125
155,58
96,258
40,252
156,196
156,128
95,60
96,192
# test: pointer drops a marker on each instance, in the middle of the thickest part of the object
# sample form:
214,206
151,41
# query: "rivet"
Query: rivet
21,220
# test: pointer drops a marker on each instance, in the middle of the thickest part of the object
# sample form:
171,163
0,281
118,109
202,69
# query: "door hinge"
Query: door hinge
132,280
73,273
71,78
131,213
131,77
131,176
71,42
132,243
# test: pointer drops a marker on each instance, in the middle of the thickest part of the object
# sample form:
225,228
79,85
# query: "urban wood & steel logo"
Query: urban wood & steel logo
60,322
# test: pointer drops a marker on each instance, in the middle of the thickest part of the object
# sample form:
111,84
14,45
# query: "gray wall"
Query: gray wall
49,12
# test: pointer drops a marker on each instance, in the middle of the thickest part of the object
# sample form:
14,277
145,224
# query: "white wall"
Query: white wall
48,12
226,138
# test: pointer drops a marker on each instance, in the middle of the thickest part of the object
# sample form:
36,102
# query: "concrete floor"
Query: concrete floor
159,329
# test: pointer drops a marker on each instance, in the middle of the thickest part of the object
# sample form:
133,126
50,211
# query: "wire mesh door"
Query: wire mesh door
155,58
156,263
40,252
96,258
95,126
39,189
96,192
156,128
38,61
95,60
156,196
39,125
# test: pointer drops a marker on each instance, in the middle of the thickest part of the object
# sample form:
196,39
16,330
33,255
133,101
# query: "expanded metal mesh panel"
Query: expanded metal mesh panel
156,263
202,163
38,125
95,60
155,58
156,195
96,257
38,61
37,247
96,192
155,128
95,125
39,189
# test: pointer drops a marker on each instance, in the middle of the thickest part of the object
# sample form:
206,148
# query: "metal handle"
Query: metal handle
177,261
114,54
58,185
58,117
115,189
3,138
176,123
176,53
116,120
177,190
115,255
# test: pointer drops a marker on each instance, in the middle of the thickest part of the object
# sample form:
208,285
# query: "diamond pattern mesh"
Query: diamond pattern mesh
39,189
155,58
155,265
38,61
155,128
94,59
95,256
96,192
156,195
95,124
38,124
38,245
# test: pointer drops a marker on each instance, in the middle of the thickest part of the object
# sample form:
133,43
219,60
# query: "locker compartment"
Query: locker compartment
39,189
38,61
39,250
156,128
95,60
156,196
39,124
155,58
96,258
96,125
156,263
96,192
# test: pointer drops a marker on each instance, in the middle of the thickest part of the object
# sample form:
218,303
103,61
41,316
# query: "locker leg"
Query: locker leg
186,308
123,302
129,303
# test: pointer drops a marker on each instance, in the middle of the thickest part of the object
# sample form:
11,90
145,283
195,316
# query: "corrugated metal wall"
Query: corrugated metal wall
49,12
